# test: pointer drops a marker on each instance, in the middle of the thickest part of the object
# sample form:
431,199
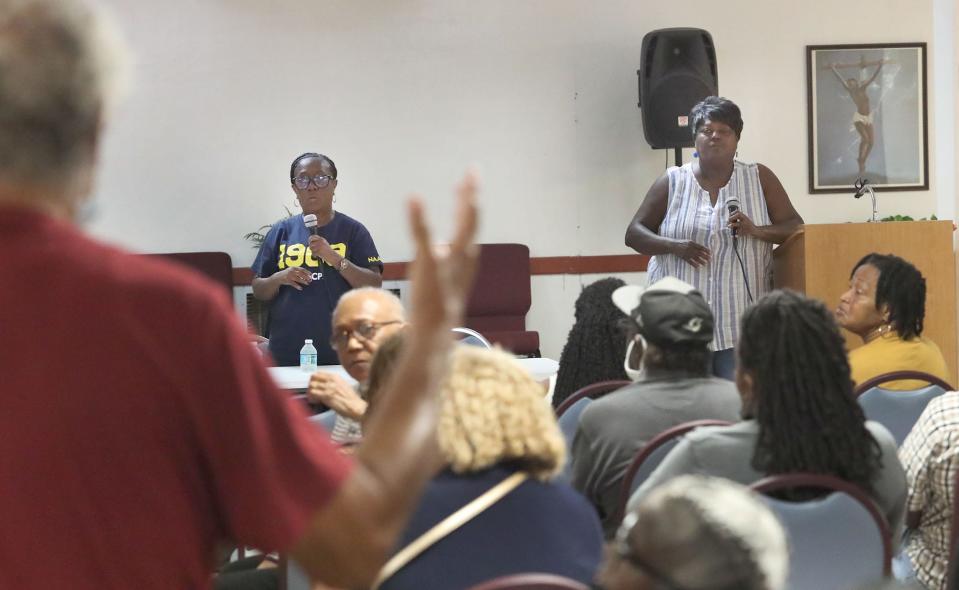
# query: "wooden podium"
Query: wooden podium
818,260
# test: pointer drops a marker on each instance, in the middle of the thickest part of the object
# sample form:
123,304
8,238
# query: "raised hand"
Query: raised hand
441,277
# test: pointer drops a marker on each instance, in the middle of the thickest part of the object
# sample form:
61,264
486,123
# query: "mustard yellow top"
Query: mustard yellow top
889,353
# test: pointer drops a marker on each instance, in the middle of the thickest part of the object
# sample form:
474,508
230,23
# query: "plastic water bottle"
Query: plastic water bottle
308,356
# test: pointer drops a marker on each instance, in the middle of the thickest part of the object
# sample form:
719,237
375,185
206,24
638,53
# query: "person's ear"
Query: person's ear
884,312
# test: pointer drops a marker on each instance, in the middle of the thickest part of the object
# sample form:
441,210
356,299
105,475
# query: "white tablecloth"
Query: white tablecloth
295,378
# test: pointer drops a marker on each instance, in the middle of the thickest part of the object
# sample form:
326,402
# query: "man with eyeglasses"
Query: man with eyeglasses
303,271
363,319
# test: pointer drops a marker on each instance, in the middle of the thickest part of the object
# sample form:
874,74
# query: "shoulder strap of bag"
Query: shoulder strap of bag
448,525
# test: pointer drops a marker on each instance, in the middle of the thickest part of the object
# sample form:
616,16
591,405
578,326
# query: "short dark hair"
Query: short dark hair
296,161
808,418
691,358
902,288
716,108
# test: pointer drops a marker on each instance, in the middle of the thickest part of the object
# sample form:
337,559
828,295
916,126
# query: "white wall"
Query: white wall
404,93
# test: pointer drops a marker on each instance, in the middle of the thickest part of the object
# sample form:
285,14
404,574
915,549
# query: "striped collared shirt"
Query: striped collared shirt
691,216
930,455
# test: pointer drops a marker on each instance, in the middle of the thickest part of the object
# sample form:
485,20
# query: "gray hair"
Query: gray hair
706,533
383,294
62,64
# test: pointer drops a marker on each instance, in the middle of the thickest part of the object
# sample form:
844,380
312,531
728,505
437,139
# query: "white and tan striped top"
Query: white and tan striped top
691,216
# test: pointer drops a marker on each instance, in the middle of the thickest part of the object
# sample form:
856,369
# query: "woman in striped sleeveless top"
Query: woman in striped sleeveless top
713,223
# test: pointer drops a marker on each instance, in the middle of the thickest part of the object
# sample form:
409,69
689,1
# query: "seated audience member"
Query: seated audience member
885,306
596,343
674,328
171,436
930,455
798,409
698,533
362,319
496,433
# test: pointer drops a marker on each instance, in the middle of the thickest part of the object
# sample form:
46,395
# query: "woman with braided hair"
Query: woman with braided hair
596,343
885,306
799,413
698,533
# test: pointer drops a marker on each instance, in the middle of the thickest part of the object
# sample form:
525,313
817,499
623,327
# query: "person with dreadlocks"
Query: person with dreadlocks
885,306
596,343
303,271
799,413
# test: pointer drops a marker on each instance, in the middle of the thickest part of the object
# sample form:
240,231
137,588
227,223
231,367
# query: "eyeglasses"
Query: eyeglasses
710,132
363,331
320,180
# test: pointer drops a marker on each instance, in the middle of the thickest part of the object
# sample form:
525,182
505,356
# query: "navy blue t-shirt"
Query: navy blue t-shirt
537,527
298,315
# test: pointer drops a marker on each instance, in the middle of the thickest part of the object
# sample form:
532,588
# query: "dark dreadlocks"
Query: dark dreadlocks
808,418
902,289
596,345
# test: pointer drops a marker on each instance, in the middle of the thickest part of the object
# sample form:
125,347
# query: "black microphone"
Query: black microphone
860,185
309,220
732,205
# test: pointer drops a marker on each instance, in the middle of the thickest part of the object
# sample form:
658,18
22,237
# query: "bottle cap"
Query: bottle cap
308,341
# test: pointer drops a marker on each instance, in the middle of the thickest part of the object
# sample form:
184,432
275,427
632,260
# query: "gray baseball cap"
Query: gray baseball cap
668,312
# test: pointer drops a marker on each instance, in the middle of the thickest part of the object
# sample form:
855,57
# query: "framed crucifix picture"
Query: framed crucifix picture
867,117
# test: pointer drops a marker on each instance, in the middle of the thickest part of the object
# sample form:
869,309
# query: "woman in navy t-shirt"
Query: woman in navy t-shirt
495,429
302,273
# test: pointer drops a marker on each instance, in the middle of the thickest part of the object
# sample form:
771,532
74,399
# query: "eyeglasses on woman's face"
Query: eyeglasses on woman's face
320,181
710,131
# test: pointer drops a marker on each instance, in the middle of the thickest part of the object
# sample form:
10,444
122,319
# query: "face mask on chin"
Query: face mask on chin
634,374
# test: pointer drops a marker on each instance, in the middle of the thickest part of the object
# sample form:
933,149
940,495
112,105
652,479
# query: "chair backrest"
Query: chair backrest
898,410
501,298
471,337
530,582
651,455
840,540
592,391
568,413
217,266
901,376
501,295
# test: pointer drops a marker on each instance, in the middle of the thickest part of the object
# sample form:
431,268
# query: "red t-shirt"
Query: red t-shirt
138,427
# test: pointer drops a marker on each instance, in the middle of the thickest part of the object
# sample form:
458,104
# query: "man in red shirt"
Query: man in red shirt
138,428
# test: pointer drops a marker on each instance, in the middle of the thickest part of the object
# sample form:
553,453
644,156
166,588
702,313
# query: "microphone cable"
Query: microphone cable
742,267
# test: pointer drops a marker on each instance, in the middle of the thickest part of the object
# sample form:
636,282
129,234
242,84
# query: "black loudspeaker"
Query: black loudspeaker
678,69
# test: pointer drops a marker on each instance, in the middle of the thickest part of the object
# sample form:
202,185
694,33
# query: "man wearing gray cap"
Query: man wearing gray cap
673,384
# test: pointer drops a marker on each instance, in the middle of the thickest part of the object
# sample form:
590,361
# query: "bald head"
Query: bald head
370,297
363,319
